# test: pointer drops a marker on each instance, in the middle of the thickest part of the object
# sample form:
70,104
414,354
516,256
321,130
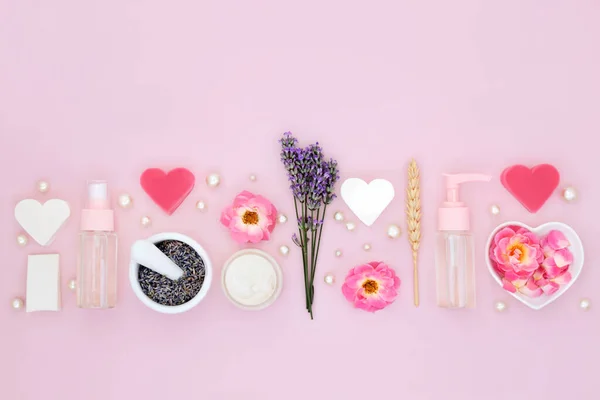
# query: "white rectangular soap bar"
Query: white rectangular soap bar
43,283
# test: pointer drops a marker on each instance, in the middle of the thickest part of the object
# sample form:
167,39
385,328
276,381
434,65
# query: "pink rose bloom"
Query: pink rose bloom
371,286
250,218
517,251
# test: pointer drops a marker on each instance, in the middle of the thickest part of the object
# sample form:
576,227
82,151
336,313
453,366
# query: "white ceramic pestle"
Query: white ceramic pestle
147,254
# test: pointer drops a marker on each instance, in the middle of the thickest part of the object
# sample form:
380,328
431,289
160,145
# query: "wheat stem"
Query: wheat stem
413,220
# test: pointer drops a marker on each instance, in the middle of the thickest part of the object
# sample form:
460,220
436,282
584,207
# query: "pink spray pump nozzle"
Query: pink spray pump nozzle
454,215
97,216
97,195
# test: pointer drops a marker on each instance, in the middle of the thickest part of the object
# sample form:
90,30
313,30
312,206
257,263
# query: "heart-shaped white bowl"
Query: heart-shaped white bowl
576,248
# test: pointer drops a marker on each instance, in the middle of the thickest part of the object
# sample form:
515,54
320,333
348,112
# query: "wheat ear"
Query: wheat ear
413,220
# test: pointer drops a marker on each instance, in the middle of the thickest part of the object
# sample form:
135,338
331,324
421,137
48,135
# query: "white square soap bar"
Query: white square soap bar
43,283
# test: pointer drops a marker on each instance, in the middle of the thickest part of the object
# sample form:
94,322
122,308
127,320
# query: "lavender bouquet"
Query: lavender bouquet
312,181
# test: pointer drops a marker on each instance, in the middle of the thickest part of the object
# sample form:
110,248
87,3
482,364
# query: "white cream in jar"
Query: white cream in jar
251,279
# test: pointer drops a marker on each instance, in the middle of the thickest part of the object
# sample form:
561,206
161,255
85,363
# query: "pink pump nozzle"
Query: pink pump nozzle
97,195
97,216
453,182
454,215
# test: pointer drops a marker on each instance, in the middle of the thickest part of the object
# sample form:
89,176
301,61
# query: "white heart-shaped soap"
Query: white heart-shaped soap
576,248
367,200
42,222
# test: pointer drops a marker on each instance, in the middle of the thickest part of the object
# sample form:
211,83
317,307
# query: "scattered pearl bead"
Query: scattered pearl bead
350,226
494,209
145,221
569,194
500,306
366,247
22,240
72,284
282,218
338,253
213,180
17,303
200,205
585,304
394,231
43,186
338,216
284,250
329,279
125,201
252,178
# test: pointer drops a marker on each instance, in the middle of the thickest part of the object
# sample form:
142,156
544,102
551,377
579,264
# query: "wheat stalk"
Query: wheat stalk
413,220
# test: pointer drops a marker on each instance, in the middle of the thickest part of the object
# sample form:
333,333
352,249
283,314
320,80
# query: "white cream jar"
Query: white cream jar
251,279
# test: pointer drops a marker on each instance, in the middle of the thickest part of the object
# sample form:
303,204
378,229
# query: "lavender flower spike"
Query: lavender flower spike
332,178
292,159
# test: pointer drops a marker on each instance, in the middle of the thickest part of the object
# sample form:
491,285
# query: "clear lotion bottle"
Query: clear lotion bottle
455,251
97,261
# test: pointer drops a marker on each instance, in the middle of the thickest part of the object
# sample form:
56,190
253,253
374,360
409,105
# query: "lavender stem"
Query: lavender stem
303,245
305,251
312,279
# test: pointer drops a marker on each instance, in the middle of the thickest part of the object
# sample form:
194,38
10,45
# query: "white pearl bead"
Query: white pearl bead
338,216
393,231
145,221
338,253
585,304
200,205
72,284
494,209
282,218
350,226
329,279
43,186
252,178
500,306
125,201
17,303
213,180
569,194
366,247
284,250
22,240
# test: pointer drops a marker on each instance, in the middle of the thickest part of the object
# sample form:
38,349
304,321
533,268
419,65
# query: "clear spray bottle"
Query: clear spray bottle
455,251
97,262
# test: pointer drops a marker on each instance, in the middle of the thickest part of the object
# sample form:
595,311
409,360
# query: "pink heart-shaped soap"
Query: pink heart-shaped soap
531,186
167,190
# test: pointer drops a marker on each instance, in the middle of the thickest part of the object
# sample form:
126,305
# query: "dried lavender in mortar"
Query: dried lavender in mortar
165,291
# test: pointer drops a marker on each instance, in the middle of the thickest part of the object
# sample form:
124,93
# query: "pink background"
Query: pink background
106,89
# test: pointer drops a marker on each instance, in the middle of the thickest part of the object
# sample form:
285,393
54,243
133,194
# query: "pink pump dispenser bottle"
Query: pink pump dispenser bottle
455,252
97,261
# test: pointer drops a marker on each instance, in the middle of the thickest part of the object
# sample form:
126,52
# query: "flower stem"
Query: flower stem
313,261
305,254
312,265
318,240
316,255
301,229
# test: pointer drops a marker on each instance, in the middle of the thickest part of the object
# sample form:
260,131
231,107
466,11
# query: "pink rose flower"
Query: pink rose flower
371,286
517,251
250,218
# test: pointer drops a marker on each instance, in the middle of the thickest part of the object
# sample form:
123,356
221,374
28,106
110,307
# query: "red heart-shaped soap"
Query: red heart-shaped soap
168,190
531,186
